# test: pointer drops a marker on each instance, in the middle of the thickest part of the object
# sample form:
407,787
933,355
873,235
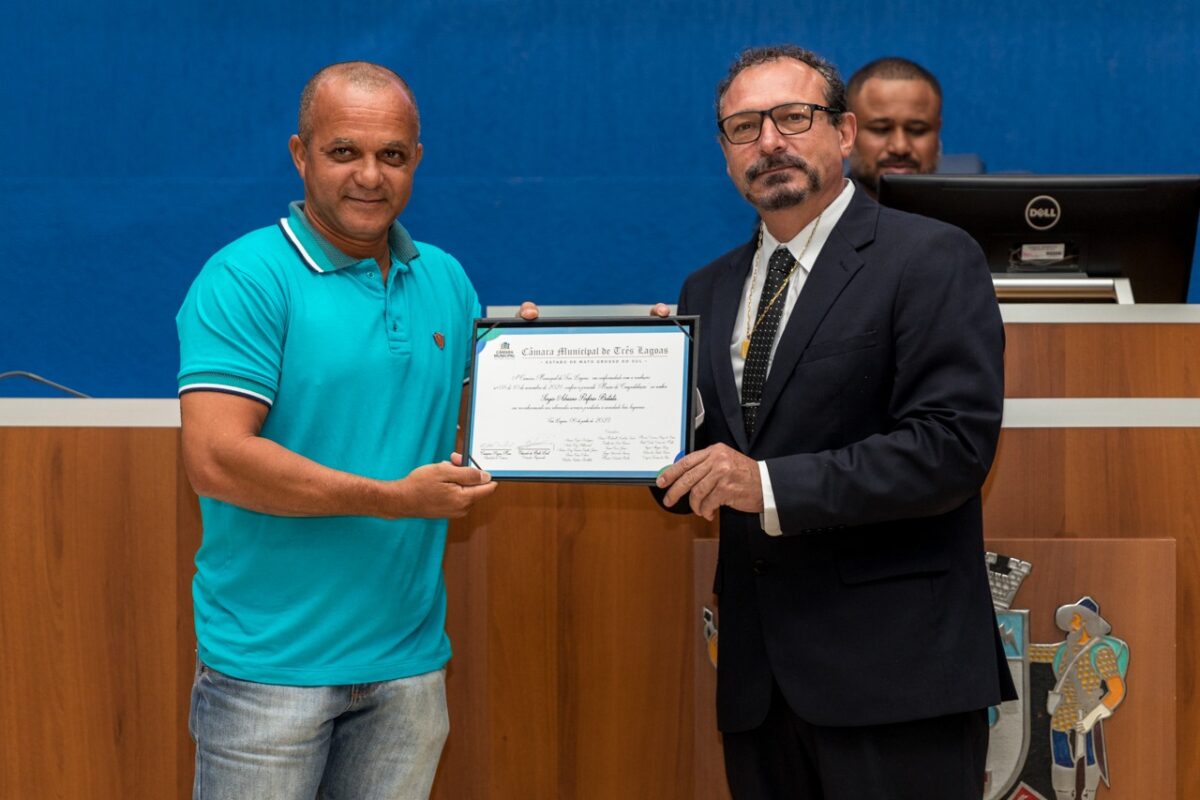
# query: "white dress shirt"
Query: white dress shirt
752,292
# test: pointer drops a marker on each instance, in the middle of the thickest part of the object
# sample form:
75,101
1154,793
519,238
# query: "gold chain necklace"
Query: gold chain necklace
750,329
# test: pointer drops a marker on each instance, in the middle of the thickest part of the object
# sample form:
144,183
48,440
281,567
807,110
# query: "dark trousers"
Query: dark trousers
941,758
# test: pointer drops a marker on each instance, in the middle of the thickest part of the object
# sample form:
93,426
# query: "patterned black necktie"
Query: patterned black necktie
766,322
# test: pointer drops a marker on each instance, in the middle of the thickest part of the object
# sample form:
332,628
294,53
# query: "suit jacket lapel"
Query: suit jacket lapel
837,264
727,293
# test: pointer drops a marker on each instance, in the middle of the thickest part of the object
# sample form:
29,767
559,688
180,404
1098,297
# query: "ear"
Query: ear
420,151
299,152
847,130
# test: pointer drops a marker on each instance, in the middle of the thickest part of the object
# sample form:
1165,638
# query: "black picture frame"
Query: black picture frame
504,330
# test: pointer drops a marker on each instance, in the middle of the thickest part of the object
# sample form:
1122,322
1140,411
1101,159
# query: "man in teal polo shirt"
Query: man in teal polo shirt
322,361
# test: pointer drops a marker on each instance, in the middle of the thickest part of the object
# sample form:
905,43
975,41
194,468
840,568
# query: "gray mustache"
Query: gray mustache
773,162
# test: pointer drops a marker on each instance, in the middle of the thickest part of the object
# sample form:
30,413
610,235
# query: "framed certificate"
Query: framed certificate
601,399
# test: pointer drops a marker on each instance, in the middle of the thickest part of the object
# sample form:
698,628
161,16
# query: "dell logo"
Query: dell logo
1042,213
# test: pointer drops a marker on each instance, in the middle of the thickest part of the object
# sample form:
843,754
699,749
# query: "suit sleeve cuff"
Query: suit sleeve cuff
768,518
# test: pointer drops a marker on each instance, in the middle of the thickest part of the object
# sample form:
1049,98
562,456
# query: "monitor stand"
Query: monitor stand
1062,287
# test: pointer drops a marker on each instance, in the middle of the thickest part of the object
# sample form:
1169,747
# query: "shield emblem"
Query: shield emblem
1008,743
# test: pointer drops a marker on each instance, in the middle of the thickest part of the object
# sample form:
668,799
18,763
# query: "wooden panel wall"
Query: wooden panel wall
1127,483
1130,483
97,532
1136,482
571,676
1094,360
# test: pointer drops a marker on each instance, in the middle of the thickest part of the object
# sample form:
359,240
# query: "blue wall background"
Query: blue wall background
569,148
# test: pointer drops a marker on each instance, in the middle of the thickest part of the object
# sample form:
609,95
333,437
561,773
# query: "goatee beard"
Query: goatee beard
787,196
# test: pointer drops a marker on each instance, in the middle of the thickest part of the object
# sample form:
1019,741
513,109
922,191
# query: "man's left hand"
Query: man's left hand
715,476
528,310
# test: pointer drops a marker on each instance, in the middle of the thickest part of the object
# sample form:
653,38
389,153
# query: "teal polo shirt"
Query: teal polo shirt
360,377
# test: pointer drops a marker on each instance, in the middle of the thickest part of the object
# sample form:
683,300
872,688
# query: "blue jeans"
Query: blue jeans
371,741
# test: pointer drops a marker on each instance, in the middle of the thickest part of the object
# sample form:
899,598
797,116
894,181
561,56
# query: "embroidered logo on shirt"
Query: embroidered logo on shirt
439,340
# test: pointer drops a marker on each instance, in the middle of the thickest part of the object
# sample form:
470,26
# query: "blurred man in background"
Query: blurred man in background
898,104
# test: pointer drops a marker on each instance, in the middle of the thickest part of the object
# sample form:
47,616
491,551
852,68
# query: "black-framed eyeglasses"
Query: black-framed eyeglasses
790,119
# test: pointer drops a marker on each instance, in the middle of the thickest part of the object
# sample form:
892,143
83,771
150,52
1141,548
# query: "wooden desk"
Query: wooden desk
98,527
570,606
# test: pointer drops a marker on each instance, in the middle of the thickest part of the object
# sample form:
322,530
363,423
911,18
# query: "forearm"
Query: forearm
260,475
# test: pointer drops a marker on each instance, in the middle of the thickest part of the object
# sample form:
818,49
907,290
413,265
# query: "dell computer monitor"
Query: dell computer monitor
1141,227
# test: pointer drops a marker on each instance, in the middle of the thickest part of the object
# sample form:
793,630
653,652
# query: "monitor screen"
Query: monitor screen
1142,227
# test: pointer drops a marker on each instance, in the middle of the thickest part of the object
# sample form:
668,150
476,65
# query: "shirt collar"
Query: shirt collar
827,219
322,256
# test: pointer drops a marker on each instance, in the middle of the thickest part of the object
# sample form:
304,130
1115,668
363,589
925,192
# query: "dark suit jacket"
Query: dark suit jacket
878,424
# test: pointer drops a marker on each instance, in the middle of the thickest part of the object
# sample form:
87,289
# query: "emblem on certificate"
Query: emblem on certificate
606,400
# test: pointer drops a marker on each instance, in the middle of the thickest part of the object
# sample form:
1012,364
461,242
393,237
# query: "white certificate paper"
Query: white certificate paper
581,400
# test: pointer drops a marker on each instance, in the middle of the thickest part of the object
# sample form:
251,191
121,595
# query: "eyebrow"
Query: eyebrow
895,121
393,144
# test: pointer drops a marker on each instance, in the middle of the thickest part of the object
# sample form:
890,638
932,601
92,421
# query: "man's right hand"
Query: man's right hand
660,310
445,490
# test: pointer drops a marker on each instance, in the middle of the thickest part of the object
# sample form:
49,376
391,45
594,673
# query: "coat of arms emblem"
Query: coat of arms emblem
1055,749
1008,741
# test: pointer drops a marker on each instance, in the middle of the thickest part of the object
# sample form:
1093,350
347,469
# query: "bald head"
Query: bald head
359,74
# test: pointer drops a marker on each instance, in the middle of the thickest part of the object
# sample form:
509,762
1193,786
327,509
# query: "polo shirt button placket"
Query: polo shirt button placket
395,305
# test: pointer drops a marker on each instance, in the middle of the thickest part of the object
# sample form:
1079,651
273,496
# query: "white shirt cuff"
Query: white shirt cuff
768,518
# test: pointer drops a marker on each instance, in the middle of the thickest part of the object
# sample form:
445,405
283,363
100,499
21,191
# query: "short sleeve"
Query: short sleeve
231,333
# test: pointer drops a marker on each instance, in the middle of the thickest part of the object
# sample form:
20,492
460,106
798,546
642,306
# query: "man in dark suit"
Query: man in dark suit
851,372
